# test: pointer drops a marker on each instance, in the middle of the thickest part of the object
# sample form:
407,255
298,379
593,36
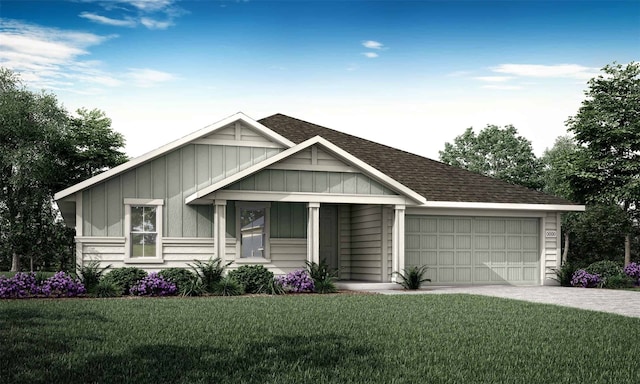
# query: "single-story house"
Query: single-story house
281,191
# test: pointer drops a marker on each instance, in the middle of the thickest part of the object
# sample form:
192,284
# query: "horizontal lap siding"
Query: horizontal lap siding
552,247
366,242
286,255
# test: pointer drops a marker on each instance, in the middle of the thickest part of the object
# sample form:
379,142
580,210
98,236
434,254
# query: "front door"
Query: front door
329,235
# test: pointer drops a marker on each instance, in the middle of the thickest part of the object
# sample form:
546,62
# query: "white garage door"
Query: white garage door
474,250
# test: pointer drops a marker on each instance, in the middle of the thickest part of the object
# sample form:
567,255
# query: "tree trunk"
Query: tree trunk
15,263
565,251
627,249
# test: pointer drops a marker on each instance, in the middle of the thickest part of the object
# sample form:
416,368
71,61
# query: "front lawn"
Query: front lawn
313,339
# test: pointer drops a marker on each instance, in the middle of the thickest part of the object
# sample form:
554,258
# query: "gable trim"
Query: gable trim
499,206
238,117
344,155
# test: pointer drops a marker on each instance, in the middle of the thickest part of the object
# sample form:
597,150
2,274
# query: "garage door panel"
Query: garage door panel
475,250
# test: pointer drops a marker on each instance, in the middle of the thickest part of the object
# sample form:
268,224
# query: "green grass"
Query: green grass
313,339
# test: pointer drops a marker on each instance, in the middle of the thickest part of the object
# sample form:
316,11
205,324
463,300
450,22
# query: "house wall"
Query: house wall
344,241
172,178
286,255
551,250
366,242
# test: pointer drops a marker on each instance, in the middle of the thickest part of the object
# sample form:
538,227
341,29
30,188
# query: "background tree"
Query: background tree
607,130
496,152
43,150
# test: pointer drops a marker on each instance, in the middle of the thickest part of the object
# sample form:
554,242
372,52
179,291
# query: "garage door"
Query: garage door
474,250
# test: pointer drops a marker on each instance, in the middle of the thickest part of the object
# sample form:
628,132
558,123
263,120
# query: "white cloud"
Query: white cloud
372,44
574,71
108,21
155,24
371,55
494,79
502,87
145,77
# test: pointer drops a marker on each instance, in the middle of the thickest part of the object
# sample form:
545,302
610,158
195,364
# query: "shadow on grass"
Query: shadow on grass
278,358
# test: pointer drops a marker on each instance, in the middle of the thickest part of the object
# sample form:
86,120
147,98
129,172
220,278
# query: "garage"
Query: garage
474,250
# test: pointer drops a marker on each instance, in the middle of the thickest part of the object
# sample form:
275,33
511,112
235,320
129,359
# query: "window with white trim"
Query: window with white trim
143,230
252,230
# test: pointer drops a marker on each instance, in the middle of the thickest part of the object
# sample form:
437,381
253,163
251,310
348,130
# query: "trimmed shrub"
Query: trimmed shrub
297,281
412,278
125,277
153,285
181,277
228,286
605,269
584,279
254,278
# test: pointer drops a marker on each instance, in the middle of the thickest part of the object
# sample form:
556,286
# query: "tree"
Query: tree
607,130
496,152
43,151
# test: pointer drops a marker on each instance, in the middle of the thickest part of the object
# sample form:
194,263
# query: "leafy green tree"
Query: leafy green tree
496,152
607,130
43,150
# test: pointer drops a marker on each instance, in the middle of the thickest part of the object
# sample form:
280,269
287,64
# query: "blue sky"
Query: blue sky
409,74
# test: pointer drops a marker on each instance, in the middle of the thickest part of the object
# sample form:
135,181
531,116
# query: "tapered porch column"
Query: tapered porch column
397,249
220,227
313,233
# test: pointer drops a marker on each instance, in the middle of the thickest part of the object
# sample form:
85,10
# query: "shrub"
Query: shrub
192,288
565,273
275,287
584,279
323,277
62,284
106,288
210,272
153,285
254,278
228,286
126,277
605,269
297,281
20,285
179,276
412,277
633,271
620,281
91,274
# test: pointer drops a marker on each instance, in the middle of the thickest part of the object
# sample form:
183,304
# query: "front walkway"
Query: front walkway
626,303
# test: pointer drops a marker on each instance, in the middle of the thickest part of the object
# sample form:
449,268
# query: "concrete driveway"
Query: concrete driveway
626,303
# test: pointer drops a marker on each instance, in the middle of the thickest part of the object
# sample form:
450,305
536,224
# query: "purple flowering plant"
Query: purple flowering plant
25,285
297,281
154,285
633,271
584,279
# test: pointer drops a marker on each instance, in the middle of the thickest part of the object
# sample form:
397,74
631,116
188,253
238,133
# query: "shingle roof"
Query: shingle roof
434,180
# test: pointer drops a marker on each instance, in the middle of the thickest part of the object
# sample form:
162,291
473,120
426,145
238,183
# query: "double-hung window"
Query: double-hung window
143,230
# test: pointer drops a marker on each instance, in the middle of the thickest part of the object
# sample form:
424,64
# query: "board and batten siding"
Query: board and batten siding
171,177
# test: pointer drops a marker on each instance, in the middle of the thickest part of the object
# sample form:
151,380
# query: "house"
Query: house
281,191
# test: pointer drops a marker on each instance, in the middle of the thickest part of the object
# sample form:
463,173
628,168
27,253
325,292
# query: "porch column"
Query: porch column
220,227
313,233
397,249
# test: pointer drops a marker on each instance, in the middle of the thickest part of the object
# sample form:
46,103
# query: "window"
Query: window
252,227
143,226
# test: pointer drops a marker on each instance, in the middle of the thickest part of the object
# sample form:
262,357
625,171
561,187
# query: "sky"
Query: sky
409,74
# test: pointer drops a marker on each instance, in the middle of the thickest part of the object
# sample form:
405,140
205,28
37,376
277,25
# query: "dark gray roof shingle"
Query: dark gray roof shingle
434,180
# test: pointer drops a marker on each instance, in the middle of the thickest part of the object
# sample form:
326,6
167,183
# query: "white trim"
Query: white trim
220,227
543,249
157,203
100,240
303,197
313,232
79,234
398,247
238,117
344,155
500,206
473,212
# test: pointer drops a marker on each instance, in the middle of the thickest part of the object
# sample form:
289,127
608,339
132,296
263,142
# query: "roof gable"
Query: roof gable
238,129
436,181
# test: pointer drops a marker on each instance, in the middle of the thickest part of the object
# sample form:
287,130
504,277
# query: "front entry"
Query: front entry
329,235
